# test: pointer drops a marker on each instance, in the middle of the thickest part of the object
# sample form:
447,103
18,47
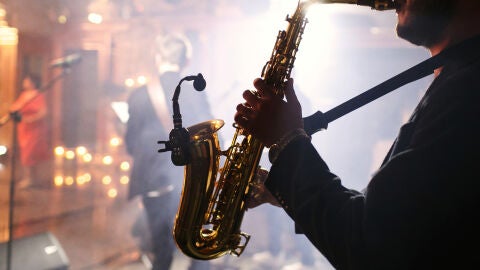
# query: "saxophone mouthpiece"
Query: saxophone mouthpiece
378,4
374,4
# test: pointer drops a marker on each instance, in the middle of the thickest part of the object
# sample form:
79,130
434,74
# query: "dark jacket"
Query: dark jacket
421,208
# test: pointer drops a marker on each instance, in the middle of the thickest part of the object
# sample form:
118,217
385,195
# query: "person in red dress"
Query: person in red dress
31,129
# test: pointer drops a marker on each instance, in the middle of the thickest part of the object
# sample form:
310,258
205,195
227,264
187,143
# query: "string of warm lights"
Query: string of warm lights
79,166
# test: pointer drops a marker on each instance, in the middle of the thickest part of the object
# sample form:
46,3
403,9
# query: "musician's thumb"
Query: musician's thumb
290,93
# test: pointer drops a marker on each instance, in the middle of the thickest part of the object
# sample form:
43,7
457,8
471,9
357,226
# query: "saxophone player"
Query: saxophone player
420,209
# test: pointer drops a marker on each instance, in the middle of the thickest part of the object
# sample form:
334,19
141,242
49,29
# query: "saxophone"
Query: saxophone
212,205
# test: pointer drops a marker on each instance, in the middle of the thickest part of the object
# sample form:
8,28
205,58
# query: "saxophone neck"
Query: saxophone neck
374,4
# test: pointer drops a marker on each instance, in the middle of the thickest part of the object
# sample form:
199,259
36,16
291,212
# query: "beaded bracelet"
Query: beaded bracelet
277,147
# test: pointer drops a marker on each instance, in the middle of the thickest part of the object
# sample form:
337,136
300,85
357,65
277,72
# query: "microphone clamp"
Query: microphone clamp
179,137
178,142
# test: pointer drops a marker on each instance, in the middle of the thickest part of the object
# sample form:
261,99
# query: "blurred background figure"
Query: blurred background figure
154,177
31,108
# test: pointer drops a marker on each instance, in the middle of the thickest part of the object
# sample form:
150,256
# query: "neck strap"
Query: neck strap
320,120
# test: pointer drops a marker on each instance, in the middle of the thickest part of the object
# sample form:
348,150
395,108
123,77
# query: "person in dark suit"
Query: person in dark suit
420,209
153,176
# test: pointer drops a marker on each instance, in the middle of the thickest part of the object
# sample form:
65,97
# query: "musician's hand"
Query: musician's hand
266,116
258,193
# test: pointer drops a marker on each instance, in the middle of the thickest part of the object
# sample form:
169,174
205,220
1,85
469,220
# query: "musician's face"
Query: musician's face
423,22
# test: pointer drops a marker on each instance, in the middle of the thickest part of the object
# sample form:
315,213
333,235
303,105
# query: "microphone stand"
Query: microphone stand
16,118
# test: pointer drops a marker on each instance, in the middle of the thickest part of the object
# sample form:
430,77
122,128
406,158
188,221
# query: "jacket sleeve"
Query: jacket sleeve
424,200
314,198
420,210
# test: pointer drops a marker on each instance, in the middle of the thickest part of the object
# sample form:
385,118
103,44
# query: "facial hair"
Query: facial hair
426,21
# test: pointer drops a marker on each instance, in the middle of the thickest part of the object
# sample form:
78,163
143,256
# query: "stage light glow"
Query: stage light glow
129,82
3,150
58,180
59,151
95,18
125,166
141,80
81,180
321,34
106,180
69,154
112,193
69,181
124,180
115,141
81,150
107,160
87,177
87,157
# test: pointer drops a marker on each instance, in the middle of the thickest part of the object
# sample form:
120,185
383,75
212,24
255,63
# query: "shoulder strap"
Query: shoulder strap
319,120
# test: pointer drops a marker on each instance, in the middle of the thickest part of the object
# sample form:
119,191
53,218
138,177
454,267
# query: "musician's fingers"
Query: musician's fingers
290,92
251,98
245,110
263,89
241,120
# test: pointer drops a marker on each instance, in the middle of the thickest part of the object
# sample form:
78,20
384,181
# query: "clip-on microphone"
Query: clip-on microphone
179,138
